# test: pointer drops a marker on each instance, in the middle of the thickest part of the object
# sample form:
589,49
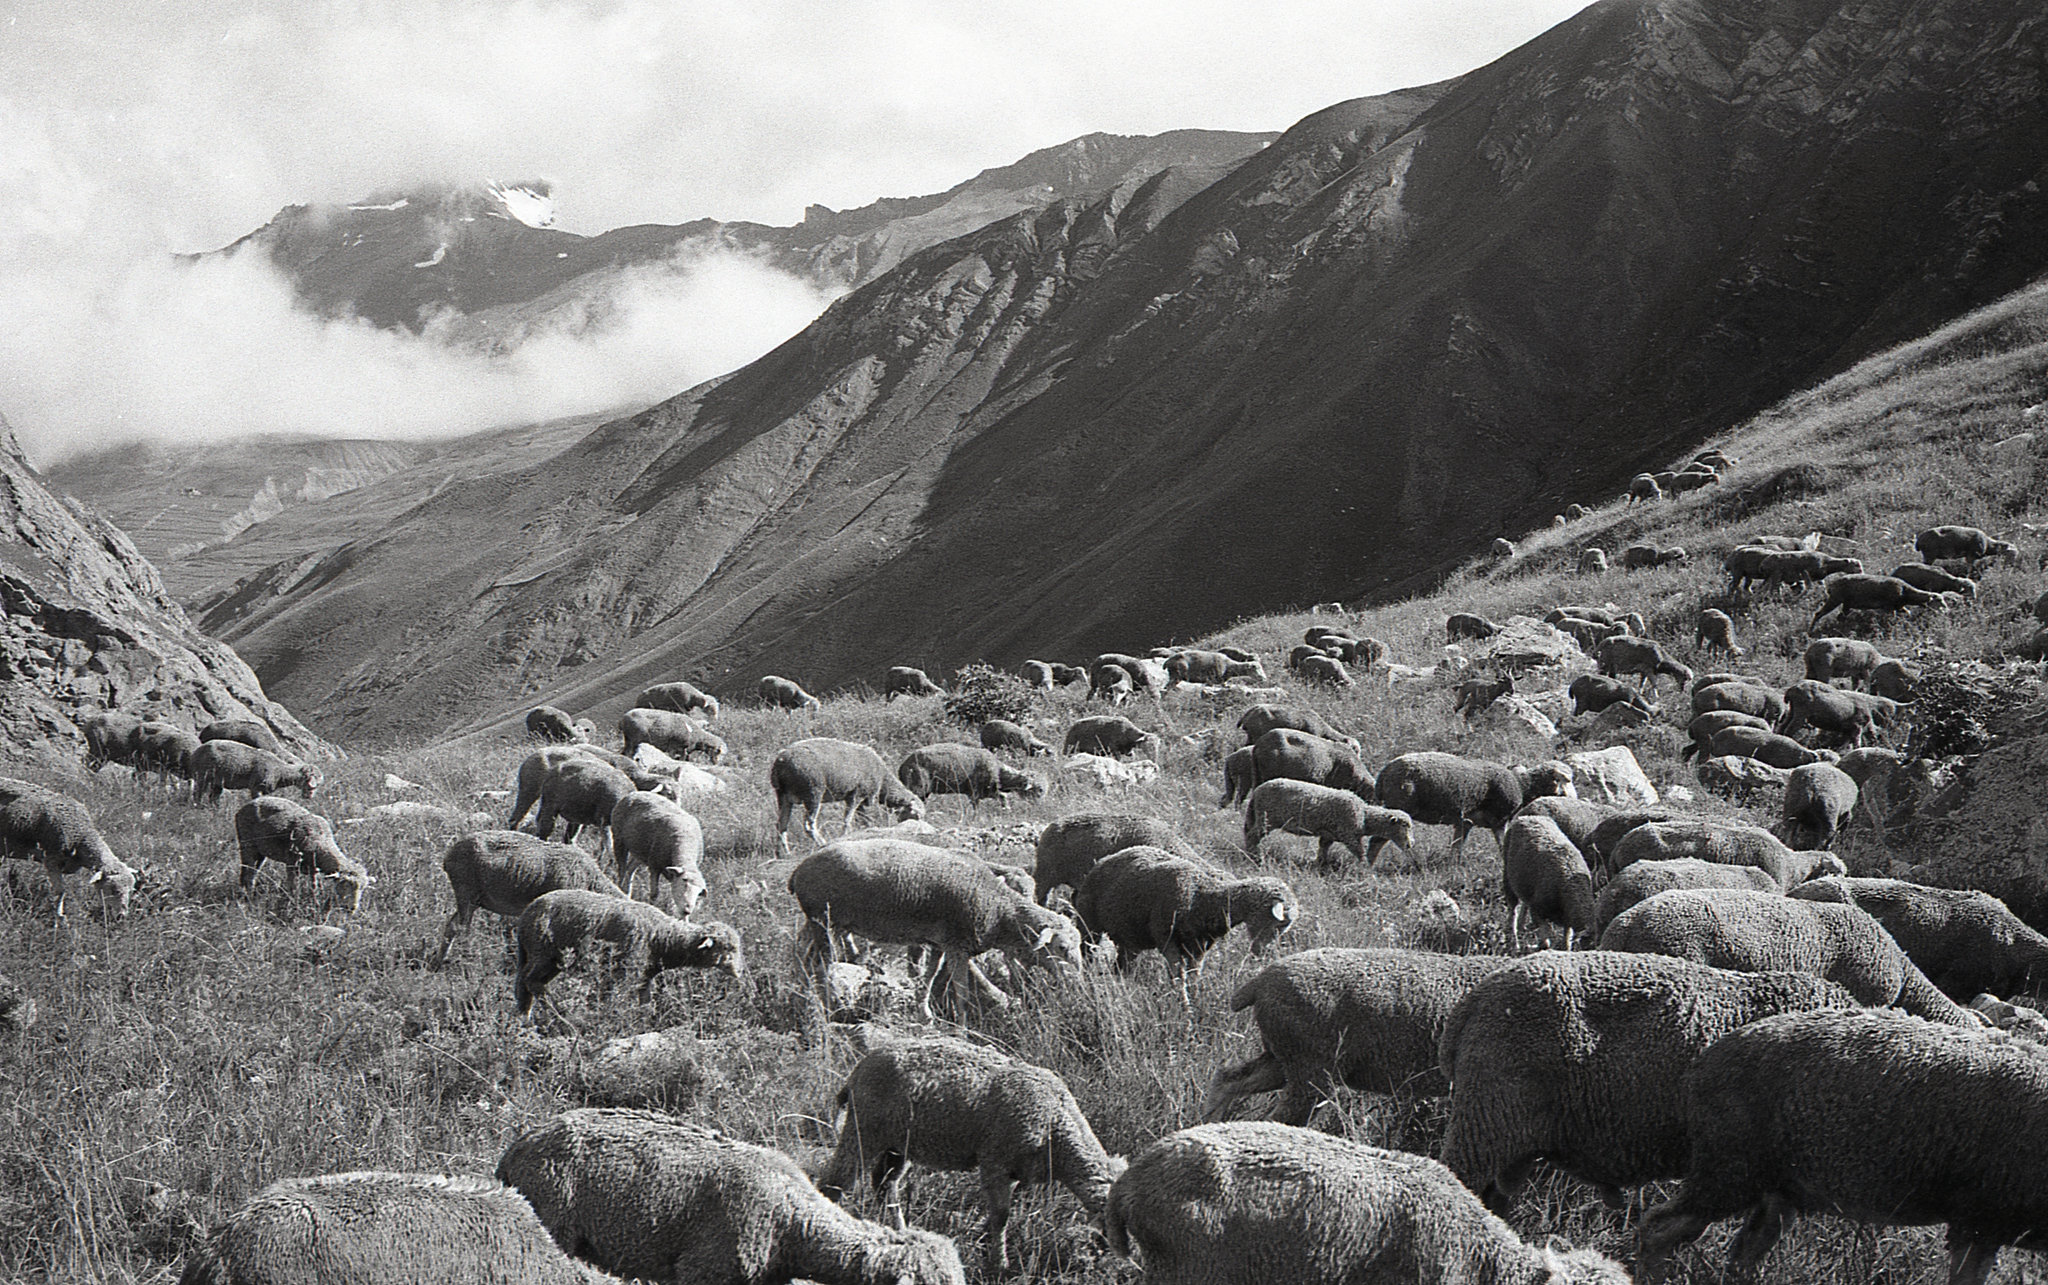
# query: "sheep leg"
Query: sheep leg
1515,928
784,806
1372,850
1760,1231
1970,1260
1001,1192
458,920
888,1180
1678,1221
1261,1074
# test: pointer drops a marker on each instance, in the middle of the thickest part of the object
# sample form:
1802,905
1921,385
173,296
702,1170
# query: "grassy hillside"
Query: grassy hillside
211,1043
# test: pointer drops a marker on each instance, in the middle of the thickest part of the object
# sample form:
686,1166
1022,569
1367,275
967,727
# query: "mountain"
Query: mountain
87,625
1408,325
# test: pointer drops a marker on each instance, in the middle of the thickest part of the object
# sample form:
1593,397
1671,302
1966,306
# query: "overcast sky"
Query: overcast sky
130,128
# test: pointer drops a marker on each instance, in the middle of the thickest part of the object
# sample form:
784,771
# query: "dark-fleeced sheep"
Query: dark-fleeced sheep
1715,631
1002,734
784,693
271,829
555,726
1285,754
1543,874
947,1104
1070,847
1260,719
1754,932
949,767
1645,879
1934,580
671,733
556,923
1195,666
1593,562
1703,727
1846,593
1575,818
42,825
1867,1114
1845,716
1744,741
1248,1203
1151,899
1621,656
534,769
230,765
1333,817
1366,1020
907,680
1728,842
1463,625
678,698
164,748
1109,734
1830,658
1819,798
1579,1058
655,1198
1147,675
1595,693
818,770
580,792
502,871
1643,488
652,830
1067,675
1967,942
1038,674
1642,557
1436,788
1326,670
1240,776
1895,680
249,731
1938,544
1744,698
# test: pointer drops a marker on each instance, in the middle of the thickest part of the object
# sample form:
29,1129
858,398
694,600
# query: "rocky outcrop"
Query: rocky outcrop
85,624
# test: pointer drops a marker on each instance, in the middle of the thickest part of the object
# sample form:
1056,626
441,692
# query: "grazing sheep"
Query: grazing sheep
581,792
1067,675
1738,777
1147,675
821,770
1727,842
671,733
1865,1114
1767,747
1846,593
1573,512
1002,734
371,1228
1645,879
1464,624
1502,547
952,768
1966,942
1744,698
948,1104
1194,666
1848,716
546,723
1715,631
781,692
1576,818
1819,797
110,737
164,748
893,891
1474,696
230,765
1938,544
1109,734
1588,634
42,825
1260,719
651,830
1934,580
1578,1058
1828,659
1716,459
1756,932
1251,1203
1070,846
678,698
248,731
1038,674
1642,557
1643,487
1436,788
1642,657
1593,694
1285,754
1327,670
1151,899
1628,622
1367,1020
1599,845
659,1199
268,829
1692,479
1808,566
1703,727
1895,680
1112,683
1235,652
534,769
1593,562
1544,873
502,871
904,680
1335,817
555,923
1240,775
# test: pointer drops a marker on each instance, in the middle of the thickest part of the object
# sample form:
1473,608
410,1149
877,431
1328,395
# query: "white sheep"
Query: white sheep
558,922
1332,817
42,825
502,871
652,830
273,829
1544,874
230,765
820,770
1069,848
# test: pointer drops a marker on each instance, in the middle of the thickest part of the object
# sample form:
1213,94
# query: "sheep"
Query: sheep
1593,562
1067,675
1715,630
1211,667
110,737
651,830
1703,727
1038,674
1576,818
1845,715
271,829
904,680
1464,624
1737,777
1870,1115
502,871
1147,675
1716,459
1643,487
1934,580
1828,659
1334,817
1966,942
1599,845
821,770
1819,797
164,748
1784,543
581,792
1645,879
42,825
1283,753
534,769
1573,512
1367,1020
558,922
1111,683
951,768
1240,775
660,1199
1728,842
1767,747
1109,734
230,765
1545,874
1642,657
1746,564
1846,593
671,733
1642,557
1940,543
1578,1058
1807,566
1327,670
1436,788
1593,694
1502,548
248,731
1474,696
1151,899
1754,932
374,1228
780,692
1628,622
1745,698
948,1104
1250,1203
890,890
1895,680
1588,634
1692,479
1360,651
678,698
1260,719
1002,734
546,723
1070,847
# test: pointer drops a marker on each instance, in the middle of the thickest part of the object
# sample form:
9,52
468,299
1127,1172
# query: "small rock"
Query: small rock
1107,772
1513,713
1612,776
396,783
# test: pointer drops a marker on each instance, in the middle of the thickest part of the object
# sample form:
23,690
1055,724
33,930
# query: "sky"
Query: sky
131,130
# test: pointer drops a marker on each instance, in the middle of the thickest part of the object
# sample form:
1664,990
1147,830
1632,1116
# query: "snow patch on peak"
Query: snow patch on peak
398,204
530,203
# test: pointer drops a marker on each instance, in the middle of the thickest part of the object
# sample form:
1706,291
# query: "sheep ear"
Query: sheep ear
98,876
1280,911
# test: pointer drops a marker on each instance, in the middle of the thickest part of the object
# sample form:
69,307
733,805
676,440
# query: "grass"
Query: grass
209,1045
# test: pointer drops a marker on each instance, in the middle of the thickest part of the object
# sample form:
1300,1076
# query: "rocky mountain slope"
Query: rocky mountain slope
1408,325
87,624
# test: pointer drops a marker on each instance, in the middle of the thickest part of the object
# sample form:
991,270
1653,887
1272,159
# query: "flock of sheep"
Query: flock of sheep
1779,1036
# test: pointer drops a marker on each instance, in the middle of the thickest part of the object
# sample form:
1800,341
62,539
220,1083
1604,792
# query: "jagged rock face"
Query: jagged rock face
85,624
1409,325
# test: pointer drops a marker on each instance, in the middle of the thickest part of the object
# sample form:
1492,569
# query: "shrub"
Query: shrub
982,692
1959,709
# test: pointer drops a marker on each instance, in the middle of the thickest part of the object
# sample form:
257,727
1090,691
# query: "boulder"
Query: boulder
1519,715
1525,643
1108,773
1612,776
